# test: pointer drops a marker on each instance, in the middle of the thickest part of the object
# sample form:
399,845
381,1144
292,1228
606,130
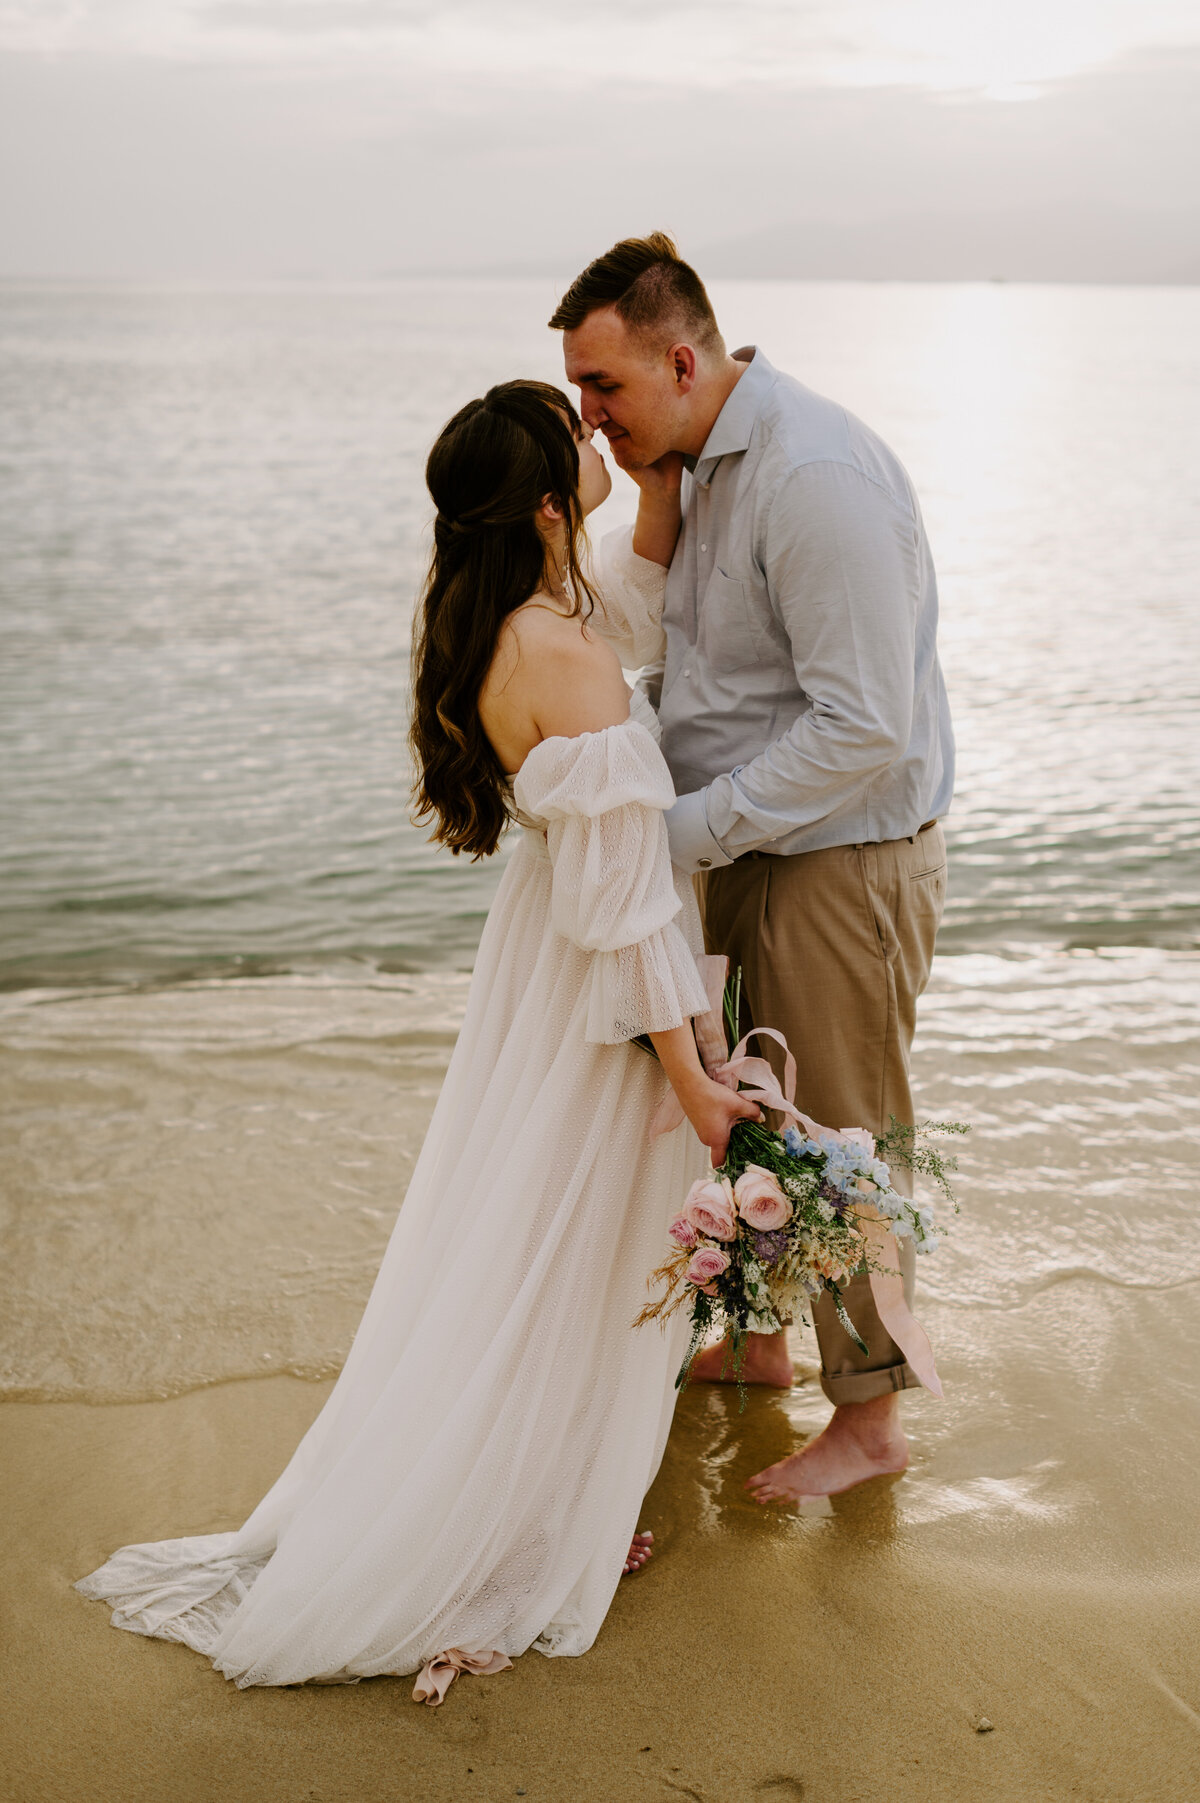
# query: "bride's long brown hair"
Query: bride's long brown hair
492,467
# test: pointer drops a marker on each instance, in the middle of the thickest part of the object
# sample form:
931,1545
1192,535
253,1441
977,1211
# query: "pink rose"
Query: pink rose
860,1138
708,1207
760,1201
705,1265
682,1231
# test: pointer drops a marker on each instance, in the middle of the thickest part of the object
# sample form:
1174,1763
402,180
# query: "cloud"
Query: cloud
127,164
300,18
947,46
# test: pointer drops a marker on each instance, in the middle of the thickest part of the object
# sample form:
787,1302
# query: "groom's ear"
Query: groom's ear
682,359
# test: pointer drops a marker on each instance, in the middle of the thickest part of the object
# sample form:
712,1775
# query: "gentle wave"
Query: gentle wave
206,617
1050,1280
200,1180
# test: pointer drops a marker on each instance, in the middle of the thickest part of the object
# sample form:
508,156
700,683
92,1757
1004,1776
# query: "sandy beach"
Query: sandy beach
1036,1568
847,1654
231,975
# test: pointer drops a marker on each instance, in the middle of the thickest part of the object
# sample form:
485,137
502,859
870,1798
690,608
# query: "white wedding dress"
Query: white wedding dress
476,1474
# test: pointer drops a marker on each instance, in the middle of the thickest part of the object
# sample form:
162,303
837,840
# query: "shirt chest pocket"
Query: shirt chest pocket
728,636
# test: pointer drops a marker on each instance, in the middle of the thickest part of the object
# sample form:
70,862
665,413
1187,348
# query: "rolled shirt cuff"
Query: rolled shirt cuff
692,844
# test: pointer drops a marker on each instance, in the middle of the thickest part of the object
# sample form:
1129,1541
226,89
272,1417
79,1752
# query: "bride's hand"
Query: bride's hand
658,514
712,1109
710,1106
660,481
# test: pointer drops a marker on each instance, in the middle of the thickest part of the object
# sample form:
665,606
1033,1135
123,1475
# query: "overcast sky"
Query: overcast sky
1049,139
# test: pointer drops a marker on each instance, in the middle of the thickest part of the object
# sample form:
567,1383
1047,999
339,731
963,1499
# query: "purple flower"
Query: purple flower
768,1247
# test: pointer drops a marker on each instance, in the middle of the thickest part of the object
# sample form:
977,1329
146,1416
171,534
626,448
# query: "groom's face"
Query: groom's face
626,390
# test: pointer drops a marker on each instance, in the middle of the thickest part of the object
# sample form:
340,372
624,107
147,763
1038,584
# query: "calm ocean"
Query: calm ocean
214,524
233,972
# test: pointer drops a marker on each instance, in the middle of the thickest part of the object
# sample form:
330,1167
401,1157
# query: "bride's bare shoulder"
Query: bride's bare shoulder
553,675
539,647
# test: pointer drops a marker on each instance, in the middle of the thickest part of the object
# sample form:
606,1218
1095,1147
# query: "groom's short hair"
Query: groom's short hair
651,288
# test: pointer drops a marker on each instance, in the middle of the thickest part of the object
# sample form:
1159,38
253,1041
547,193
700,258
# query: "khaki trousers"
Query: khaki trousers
835,948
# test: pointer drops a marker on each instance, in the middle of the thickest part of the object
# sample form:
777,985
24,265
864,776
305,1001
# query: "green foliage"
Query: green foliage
752,1142
732,1007
835,1291
702,1314
901,1145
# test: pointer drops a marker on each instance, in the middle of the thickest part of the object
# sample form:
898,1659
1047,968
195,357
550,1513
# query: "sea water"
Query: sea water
232,969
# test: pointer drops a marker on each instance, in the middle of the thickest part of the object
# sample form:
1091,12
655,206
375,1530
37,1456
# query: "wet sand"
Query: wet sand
1037,1566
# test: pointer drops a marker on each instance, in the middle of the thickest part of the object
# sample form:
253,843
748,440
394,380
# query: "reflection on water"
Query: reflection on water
213,532
1078,1074
1077,1414
214,528
200,1180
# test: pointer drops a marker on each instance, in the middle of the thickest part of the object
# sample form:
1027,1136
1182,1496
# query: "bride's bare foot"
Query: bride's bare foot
860,1441
768,1361
640,1550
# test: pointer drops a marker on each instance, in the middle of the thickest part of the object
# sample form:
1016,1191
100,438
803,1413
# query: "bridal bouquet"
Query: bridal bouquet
793,1213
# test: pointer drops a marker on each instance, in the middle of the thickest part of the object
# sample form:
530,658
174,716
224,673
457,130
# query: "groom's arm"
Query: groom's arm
841,559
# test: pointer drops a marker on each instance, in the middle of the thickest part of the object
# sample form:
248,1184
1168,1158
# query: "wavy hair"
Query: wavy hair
489,472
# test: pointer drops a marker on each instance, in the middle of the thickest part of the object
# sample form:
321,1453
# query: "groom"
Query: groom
805,722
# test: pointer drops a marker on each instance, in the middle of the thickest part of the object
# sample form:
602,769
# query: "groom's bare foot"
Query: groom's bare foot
860,1441
767,1361
641,1549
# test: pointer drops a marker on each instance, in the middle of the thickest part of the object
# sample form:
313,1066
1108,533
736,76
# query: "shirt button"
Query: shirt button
704,863
704,547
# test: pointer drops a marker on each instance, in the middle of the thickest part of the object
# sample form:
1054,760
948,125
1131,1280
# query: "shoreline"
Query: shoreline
192,1185
200,1182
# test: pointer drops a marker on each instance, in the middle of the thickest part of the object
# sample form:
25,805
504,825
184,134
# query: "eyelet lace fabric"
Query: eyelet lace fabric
632,594
475,1477
600,800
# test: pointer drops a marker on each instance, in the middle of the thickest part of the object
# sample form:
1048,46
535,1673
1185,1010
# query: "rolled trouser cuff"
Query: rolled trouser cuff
865,1386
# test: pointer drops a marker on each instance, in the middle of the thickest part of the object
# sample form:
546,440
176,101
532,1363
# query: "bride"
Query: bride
472,1486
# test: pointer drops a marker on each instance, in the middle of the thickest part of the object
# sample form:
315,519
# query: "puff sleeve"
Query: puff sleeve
602,797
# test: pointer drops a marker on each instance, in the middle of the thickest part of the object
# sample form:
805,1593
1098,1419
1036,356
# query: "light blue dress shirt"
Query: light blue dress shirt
801,698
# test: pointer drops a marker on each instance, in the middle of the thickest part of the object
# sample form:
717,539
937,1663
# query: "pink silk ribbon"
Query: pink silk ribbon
761,1085
887,1287
438,1674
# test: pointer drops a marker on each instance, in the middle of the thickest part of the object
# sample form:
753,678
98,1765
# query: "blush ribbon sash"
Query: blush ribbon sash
762,1086
438,1674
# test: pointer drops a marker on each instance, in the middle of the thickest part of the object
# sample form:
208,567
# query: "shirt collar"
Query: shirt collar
734,425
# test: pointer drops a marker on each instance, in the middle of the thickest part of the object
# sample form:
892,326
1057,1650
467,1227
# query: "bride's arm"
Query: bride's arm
658,516
632,569
710,1107
575,687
